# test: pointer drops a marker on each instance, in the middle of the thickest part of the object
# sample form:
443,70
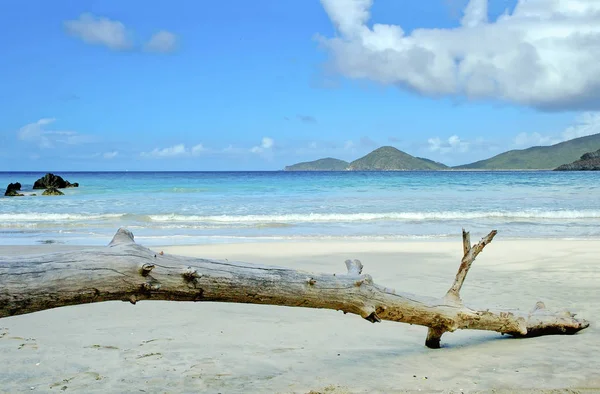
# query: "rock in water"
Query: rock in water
12,190
53,181
52,192
50,181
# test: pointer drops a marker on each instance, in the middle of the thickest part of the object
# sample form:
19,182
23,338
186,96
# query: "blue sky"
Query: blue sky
257,85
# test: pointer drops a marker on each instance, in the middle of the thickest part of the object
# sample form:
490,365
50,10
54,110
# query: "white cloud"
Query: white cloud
348,145
197,149
175,150
452,144
542,54
38,134
475,14
587,123
266,144
34,132
161,42
535,139
100,31
178,150
110,155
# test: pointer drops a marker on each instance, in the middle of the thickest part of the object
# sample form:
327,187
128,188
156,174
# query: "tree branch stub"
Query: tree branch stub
466,236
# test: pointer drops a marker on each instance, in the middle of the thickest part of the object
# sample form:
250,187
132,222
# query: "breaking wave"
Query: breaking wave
56,217
285,220
392,216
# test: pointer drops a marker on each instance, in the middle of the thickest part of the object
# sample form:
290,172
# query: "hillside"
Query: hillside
539,157
388,158
327,164
588,162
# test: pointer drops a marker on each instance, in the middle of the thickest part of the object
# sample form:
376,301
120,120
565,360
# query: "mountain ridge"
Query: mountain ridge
538,157
389,158
325,164
385,158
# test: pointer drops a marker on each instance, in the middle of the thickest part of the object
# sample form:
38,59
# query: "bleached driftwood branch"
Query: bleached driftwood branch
127,271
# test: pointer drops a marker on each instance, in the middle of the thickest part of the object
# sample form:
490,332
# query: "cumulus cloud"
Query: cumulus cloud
197,149
542,54
161,42
452,144
113,34
38,133
179,150
587,123
172,151
266,144
35,132
100,31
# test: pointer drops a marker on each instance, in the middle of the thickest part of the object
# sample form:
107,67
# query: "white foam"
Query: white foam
53,217
391,216
284,219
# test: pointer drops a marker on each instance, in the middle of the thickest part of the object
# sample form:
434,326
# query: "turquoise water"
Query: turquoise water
205,207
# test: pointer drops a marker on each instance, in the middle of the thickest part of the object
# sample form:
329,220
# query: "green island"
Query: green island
575,154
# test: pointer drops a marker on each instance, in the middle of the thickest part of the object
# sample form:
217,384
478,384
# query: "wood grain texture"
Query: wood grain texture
130,272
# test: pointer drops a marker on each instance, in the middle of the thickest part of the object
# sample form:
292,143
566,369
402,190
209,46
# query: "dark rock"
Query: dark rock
53,181
52,192
12,190
14,186
591,155
588,162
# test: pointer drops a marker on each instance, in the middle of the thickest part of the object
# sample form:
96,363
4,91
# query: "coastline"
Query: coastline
257,243
195,207
216,347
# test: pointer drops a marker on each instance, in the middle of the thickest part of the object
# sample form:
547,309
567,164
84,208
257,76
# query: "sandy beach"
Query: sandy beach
174,347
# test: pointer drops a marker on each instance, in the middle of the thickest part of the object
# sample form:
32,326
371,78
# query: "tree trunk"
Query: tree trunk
130,272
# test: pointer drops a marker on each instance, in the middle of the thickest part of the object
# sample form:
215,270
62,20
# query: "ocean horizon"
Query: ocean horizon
191,207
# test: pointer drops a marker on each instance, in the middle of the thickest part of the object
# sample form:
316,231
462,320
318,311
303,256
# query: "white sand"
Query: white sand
116,347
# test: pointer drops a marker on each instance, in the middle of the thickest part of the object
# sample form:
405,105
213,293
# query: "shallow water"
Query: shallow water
201,207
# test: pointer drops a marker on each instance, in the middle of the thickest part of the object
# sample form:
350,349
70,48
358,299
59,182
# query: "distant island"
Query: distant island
388,158
538,157
327,164
588,162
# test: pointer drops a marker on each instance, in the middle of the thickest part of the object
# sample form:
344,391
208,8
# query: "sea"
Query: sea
172,208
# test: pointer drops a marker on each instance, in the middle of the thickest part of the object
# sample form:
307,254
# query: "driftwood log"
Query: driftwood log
130,272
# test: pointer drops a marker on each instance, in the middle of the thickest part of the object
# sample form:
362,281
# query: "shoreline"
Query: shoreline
235,242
